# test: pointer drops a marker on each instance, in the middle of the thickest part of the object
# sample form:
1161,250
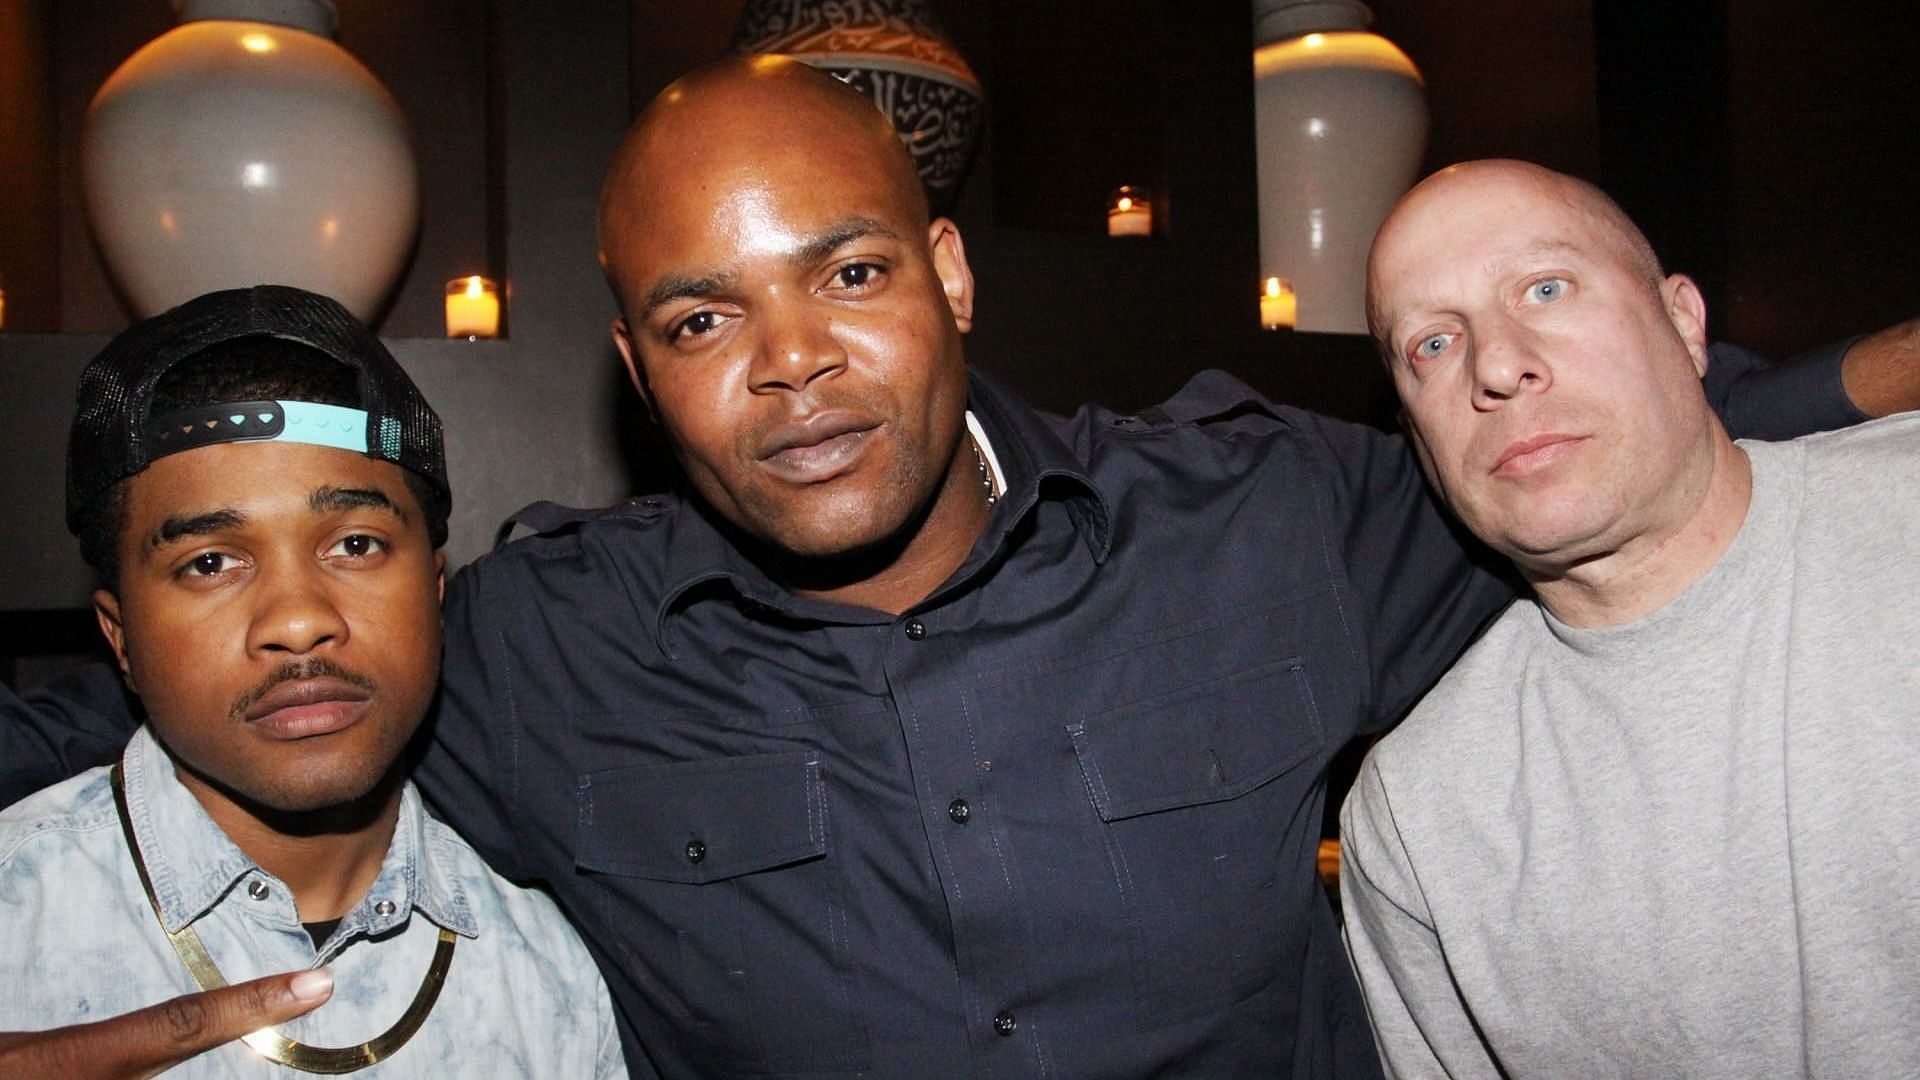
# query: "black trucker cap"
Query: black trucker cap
115,436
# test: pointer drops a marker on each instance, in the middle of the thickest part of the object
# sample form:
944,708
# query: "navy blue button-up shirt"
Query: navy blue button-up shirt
1133,686
748,801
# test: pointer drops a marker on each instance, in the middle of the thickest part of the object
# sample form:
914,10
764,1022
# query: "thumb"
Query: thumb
142,1043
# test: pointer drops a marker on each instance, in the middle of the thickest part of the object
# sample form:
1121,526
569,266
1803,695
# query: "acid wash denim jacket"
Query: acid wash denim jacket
79,940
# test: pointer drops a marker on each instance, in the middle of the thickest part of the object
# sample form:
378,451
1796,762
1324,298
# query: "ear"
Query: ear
636,372
440,577
106,613
1687,311
950,264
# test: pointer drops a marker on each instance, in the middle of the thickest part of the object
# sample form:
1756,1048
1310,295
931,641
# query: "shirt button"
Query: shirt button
257,889
959,811
696,851
1005,1023
384,908
916,629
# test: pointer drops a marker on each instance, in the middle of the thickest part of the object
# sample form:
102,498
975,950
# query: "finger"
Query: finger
142,1043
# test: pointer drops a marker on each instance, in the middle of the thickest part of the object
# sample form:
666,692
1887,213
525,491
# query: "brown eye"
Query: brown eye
857,276
357,546
207,564
700,322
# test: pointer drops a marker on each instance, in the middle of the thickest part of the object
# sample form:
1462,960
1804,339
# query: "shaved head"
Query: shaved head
793,319
1438,193
1551,383
750,109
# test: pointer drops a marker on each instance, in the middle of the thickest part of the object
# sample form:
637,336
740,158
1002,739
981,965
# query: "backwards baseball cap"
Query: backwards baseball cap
115,435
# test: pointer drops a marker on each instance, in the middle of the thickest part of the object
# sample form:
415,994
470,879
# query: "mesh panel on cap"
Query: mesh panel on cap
107,442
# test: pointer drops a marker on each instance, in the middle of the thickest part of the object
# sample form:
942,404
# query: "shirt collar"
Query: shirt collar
194,866
1029,459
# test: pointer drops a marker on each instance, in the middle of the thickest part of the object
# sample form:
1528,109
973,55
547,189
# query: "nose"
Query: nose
796,346
297,614
1507,362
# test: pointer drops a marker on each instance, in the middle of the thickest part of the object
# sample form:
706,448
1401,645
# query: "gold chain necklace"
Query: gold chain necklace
267,1042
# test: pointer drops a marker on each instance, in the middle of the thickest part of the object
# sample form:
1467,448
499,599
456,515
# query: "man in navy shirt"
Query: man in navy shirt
927,735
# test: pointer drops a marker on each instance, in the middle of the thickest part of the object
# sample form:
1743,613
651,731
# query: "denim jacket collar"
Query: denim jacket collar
194,867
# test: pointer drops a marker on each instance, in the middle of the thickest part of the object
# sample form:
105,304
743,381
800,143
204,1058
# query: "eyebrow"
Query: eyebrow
322,500
669,289
816,248
837,236
184,526
333,500
1534,251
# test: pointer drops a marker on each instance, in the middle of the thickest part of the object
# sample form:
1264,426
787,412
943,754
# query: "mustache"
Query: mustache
295,671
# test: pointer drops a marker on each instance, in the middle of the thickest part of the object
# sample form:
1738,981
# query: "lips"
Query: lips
1524,456
819,447
303,708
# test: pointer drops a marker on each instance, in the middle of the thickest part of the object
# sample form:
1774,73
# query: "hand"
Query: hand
143,1043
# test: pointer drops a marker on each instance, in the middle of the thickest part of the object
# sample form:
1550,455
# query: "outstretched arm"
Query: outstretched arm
1882,371
1836,385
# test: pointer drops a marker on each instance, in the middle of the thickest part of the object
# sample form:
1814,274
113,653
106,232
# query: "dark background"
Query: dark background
1767,147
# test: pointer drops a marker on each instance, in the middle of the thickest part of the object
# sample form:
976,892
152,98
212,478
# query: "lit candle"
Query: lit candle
1277,305
473,308
1129,213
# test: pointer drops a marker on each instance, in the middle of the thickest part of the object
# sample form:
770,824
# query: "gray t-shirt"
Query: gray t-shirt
1684,846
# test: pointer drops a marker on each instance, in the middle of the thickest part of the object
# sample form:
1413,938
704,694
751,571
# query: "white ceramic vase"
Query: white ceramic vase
245,147
1341,124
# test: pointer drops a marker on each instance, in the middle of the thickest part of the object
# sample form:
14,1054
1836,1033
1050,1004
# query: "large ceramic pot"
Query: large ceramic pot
245,147
1340,119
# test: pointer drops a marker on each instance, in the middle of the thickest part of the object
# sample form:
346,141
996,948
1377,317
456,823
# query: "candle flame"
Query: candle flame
1126,203
259,43
474,288
1273,286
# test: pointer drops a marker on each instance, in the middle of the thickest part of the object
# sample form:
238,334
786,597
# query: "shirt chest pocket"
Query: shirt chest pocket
714,875
1206,797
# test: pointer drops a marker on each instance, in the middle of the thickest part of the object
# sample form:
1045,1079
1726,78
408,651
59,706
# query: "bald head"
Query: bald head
1445,196
1551,383
794,320
730,123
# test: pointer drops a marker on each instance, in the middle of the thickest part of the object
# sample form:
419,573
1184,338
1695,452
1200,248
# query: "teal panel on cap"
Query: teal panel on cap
324,425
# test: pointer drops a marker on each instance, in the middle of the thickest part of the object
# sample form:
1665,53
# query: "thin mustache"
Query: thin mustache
294,671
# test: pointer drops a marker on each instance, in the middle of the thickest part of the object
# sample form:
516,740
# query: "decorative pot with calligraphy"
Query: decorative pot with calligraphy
894,52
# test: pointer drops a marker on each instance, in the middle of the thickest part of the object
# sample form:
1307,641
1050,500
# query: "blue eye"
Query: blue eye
1432,345
1546,290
